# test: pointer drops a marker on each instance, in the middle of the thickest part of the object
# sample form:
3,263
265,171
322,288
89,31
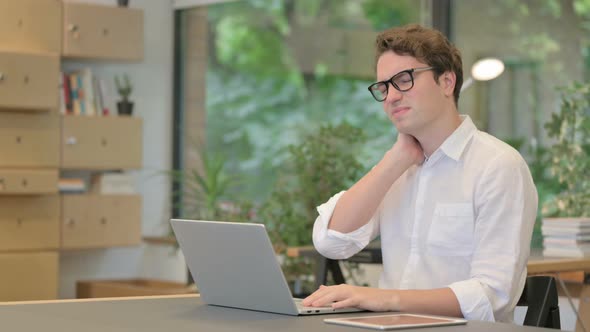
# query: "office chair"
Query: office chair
540,295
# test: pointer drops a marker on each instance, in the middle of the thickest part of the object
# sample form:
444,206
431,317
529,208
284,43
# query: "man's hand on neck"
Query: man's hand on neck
408,149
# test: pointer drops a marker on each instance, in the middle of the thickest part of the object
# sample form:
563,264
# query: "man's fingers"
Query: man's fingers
315,295
325,299
333,294
346,303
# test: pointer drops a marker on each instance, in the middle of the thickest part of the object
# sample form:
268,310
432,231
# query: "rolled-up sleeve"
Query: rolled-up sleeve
506,209
473,300
336,245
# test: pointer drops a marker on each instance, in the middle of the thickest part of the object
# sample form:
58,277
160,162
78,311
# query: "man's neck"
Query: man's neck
433,136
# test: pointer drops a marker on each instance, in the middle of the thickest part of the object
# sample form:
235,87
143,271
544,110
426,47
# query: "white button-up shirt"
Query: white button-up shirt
463,219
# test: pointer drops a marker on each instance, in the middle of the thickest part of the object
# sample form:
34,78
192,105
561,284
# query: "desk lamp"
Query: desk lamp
484,70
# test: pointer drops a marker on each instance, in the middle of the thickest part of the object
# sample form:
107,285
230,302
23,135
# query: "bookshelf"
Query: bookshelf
39,143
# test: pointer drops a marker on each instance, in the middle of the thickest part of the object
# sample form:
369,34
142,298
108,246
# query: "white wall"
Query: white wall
152,94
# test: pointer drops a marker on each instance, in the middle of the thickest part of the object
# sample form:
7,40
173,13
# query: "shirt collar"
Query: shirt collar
455,144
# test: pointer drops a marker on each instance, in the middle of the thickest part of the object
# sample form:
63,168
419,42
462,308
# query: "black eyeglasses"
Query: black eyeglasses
402,81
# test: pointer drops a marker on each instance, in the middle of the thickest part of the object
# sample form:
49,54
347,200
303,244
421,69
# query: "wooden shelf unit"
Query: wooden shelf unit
37,143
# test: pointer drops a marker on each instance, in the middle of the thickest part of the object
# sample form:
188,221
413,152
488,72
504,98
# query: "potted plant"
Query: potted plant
570,155
205,192
322,164
124,88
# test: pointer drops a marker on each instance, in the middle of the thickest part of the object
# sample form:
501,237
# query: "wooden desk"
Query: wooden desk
537,264
179,314
555,265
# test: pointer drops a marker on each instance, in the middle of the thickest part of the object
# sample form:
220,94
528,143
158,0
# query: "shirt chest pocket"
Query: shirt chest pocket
451,231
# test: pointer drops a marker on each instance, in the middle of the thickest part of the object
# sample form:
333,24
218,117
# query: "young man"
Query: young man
454,206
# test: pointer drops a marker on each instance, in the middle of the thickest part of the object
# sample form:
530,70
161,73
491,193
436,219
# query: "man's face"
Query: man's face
413,111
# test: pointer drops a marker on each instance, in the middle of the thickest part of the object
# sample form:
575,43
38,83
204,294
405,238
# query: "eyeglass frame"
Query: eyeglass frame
410,72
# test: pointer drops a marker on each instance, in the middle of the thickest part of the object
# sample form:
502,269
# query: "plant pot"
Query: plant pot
125,108
123,3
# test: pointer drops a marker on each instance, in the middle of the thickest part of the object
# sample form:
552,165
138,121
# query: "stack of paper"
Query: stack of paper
566,237
112,183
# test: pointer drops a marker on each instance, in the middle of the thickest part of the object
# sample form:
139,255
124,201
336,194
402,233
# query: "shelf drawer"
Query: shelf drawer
95,31
98,221
29,222
29,81
31,25
25,181
101,143
29,140
29,276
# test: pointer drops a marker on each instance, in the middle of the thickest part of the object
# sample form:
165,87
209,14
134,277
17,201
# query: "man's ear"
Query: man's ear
447,81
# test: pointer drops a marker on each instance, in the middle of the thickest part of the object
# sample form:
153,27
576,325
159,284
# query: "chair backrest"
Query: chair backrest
540,295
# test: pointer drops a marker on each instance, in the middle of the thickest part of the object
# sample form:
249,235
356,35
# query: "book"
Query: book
98,100
567,241
104,96
576,237
74,94
67,93
81,93
71,185
62,97
584,246
566,252
549,230
88,87
567,222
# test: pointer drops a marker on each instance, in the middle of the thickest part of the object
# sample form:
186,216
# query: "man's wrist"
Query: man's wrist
394,300
394,159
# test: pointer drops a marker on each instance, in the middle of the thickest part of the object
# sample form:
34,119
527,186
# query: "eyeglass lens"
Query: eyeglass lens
402,82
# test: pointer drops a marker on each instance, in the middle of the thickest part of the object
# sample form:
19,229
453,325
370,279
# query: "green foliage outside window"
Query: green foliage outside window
257,130
259,101
570,154
543,48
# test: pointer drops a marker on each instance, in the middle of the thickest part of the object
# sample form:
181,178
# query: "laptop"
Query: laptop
234,265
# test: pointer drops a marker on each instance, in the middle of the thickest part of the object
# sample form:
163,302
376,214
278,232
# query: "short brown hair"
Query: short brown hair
428,46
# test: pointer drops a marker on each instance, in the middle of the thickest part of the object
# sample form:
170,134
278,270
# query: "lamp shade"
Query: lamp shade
487,69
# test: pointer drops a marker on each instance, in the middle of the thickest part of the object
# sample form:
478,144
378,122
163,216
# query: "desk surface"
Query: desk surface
539,264
178,314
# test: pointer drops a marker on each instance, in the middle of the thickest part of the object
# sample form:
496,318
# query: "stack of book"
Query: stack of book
71,185
82,93
566,237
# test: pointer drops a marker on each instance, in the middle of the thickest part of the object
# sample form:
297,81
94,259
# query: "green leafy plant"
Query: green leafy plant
205,192
570,154
324,163
124,86
547,186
